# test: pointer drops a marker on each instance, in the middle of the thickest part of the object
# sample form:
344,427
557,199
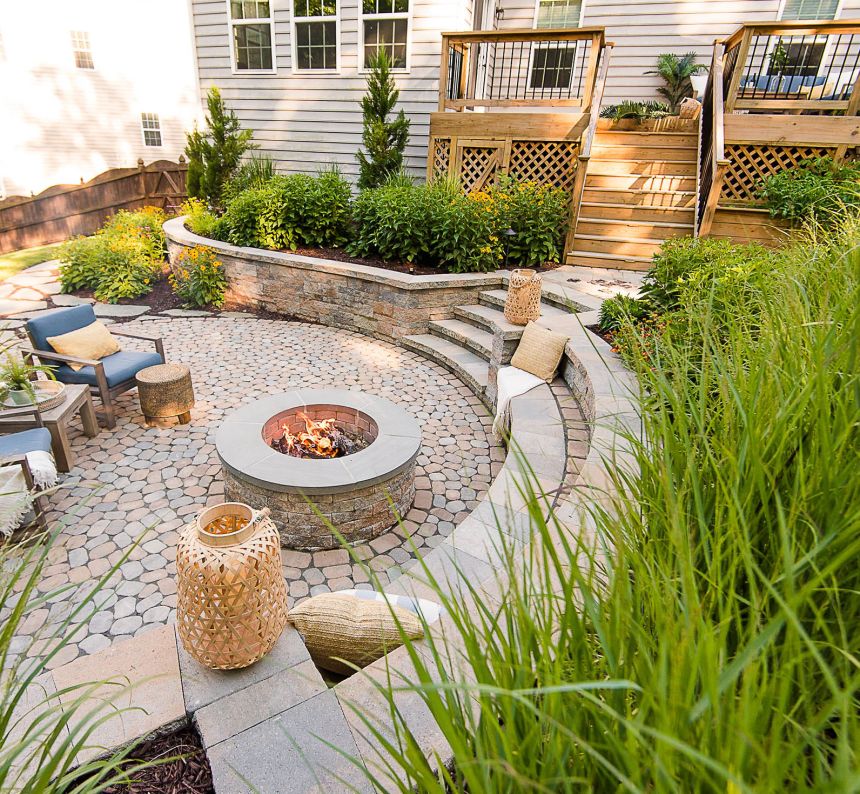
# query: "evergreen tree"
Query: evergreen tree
384,140
214,154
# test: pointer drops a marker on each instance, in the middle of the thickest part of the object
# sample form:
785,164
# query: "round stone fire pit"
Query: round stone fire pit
361,494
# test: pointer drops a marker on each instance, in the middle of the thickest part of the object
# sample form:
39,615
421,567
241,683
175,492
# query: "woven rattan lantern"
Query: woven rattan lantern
232,599
523,302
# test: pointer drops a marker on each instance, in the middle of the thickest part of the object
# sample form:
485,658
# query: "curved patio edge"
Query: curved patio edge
381,303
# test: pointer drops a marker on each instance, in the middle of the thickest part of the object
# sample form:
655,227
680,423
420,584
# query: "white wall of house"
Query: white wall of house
306,121
642,29
60,123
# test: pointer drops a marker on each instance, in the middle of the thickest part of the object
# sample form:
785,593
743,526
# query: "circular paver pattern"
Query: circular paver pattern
137,479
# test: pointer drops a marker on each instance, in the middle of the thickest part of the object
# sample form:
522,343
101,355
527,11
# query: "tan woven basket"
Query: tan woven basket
232,599
523,302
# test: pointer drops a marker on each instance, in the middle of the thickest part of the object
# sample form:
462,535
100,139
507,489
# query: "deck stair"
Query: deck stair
640,189
463,344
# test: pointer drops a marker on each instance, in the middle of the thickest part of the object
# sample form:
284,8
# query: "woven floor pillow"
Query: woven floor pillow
539,351
339,626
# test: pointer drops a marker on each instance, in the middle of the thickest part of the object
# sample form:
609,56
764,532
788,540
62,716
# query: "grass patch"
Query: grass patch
16,261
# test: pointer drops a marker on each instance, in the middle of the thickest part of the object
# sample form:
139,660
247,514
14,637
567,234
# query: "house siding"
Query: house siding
65,125
308,121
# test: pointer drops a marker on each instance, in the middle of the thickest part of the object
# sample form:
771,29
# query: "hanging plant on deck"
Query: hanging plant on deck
384,140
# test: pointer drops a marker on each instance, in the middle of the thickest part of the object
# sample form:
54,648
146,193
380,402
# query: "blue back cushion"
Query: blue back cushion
58,322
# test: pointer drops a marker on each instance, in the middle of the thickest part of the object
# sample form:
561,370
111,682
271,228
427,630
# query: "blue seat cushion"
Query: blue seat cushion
119,368
26,441
58,322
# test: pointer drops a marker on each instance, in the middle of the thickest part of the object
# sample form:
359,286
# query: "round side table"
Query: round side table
165,391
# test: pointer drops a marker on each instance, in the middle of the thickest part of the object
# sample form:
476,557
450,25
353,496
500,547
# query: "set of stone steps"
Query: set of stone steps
464,343
640,190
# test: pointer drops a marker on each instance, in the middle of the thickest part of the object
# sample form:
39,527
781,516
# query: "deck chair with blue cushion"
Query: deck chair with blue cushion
14,449
108,377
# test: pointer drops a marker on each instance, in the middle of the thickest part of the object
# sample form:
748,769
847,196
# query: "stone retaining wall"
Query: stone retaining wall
371,300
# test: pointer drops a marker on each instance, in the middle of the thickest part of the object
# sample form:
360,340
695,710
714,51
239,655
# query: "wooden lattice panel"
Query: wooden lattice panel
232,601
751,164
478,166
441,156
545,162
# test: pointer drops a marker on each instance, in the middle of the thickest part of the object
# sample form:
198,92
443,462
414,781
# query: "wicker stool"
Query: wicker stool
165,391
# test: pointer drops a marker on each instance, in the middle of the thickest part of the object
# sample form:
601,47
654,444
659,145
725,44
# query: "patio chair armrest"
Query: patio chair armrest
19,459
50,355
156,340
16,413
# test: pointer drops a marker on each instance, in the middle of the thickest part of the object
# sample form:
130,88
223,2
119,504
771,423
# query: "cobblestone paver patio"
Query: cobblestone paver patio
135,478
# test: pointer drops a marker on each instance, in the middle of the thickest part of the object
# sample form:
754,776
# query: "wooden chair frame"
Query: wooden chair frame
101,389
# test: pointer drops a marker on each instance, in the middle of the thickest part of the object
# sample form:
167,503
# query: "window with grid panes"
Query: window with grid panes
251,35
558,13
315,35
81,49
810,9
151,126
385,27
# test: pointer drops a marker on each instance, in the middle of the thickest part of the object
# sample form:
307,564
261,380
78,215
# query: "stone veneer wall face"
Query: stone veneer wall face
359,515
343,300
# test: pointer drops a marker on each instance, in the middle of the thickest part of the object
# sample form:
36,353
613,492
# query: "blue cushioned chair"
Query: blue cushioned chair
15,446
107,378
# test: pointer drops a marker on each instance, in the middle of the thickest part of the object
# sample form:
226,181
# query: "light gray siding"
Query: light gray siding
307,121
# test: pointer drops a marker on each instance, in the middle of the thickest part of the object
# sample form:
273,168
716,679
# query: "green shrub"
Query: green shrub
634,109
199,218
618,311
289,212
122,260
255,172
198,277
538,215
818,189
695,632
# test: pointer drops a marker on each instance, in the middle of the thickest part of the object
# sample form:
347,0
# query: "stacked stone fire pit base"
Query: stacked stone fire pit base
361,495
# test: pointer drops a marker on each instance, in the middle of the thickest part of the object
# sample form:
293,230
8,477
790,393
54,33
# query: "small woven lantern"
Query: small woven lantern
523,302
232,599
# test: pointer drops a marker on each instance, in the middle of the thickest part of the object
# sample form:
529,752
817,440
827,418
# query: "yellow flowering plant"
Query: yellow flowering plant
198,278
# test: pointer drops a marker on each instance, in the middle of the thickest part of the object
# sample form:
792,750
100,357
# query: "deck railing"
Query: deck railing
777,93
519,68
792,66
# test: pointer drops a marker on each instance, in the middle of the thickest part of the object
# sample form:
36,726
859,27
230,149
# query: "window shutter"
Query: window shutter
559,13
810,9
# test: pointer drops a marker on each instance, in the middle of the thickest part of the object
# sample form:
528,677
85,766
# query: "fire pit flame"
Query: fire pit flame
321,439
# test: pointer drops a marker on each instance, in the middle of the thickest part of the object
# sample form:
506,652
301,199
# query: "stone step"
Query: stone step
552,303
488,318
464,334
466,365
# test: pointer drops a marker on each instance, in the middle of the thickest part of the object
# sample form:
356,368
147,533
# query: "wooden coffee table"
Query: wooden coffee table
78,401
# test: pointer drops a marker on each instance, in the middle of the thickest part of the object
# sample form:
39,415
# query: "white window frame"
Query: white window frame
73,34
144,130
579,21
233,23
362,69
294,60
781,10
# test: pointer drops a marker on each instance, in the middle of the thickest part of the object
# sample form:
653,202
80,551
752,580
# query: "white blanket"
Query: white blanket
511,382
15,500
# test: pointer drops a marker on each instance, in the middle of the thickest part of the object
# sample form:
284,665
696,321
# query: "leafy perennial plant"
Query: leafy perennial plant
198,278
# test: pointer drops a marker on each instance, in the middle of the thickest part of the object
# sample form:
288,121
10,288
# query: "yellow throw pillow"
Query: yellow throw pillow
336,626
93,341
539,351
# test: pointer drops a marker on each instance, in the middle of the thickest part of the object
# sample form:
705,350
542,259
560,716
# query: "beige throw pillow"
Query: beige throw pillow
93,341
336,626
539,351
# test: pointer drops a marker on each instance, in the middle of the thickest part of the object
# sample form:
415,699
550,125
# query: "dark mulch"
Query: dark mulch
606,337
160,298
190,774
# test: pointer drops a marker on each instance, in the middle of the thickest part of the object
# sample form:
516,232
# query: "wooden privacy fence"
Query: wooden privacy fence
64,211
